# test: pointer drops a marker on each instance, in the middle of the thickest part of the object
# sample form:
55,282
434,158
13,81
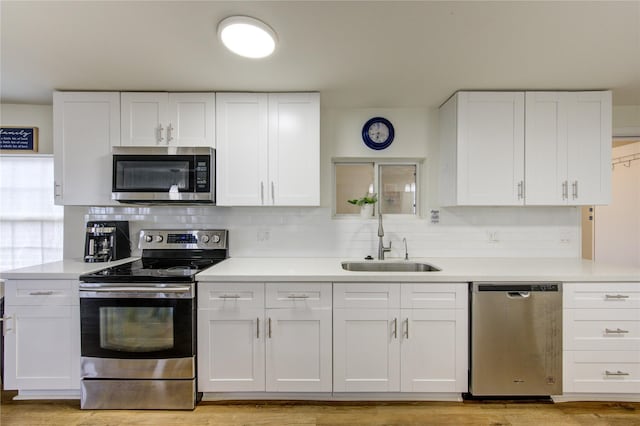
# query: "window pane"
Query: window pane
352,181
397,189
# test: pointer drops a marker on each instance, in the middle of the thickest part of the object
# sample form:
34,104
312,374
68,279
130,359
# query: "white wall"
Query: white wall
40,116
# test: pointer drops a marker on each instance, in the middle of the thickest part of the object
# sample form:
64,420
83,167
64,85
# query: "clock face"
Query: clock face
377,133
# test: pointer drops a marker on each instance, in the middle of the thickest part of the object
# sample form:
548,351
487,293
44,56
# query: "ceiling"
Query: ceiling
362,54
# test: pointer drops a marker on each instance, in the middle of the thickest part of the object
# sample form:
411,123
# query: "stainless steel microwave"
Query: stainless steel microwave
163,175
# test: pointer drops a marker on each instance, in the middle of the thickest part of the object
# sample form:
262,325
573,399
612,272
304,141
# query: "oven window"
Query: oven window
152,175
136,329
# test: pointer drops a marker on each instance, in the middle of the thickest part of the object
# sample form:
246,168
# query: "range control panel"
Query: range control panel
183,239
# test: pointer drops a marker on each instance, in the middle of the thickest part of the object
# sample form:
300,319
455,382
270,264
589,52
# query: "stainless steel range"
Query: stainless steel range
138,323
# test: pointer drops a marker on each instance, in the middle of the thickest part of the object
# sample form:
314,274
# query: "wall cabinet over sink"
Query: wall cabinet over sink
525,148
268,149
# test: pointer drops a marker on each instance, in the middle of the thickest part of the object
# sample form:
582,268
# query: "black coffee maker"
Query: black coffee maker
106,241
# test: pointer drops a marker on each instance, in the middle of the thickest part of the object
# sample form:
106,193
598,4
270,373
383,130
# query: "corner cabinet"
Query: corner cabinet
42,337
268,149
85,127
565,148
168,119
391,337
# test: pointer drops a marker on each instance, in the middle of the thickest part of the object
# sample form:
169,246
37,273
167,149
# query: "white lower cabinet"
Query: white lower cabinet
256,337
601,339
384,345
42,336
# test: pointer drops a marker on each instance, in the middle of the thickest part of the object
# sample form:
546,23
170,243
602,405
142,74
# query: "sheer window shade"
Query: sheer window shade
30,224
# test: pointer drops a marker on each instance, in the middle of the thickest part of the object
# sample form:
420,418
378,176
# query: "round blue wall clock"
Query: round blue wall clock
378,133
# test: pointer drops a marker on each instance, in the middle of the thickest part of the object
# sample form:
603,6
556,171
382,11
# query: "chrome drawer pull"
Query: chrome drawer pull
617,373
406,333
395,328
616,331
298,296
616,296
257,328
269,328
230,296
41,293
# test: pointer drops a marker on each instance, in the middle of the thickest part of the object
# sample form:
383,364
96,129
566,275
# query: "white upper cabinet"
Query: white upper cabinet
568,148
85,127
168,119
482,149
268,149
561,139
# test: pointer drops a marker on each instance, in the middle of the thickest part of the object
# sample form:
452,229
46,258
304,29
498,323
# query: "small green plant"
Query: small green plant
367,199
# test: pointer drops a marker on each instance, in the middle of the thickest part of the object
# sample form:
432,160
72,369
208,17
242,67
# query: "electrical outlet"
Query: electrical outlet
263,236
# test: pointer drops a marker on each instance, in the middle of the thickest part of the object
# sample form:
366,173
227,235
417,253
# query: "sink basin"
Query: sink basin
373,266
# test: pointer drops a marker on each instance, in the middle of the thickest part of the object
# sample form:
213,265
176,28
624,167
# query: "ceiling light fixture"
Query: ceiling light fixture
247,36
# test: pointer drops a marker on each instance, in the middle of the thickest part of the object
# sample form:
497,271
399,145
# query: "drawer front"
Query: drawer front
602,295
230,296
602,329
298,295
41,293
434,295
366,295
602,371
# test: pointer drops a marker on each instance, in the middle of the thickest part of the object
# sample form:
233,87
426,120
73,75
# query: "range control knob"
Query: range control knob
148,238
216,238
205,239
158,238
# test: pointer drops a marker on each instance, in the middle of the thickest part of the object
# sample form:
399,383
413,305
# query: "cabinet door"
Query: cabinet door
434,350
490,148
366,350
589,147
85,127
546,148
294,149
298,349
230,350
42,347
191,119
144,119
241,149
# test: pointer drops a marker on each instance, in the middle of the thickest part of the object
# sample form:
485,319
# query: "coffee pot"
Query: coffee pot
107,241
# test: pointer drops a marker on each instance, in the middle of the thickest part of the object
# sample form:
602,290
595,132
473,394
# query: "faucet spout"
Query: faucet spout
380,228
381,248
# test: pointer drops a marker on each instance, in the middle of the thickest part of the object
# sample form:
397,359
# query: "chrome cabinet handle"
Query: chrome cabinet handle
615,373
257,327
269,328
169,130
56,187
160,129
615,296
5,320
395,328
574,187
40,293
298,296
261,192
565,190
520,190
616,331
273,193
230,296
406,332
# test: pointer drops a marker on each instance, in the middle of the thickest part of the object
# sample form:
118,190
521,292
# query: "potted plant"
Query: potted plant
366,204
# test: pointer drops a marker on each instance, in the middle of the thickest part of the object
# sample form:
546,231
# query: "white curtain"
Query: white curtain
30,224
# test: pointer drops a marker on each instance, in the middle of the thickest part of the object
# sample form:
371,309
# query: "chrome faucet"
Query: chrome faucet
381,248
406,252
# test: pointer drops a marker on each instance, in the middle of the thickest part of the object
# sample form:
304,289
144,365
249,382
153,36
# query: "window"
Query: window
395,185
30,224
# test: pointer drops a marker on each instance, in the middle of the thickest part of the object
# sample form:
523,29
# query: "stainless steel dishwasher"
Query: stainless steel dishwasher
516,339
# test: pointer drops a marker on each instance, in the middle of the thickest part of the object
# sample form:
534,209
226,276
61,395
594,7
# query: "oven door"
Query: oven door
136,327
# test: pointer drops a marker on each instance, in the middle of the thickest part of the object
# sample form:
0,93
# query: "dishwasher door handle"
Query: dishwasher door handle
518,294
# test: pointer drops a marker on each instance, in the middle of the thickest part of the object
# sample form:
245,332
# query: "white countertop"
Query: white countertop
329,269
452,270
63,269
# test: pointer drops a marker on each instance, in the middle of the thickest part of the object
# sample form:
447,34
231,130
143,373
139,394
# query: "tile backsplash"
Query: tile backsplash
313,232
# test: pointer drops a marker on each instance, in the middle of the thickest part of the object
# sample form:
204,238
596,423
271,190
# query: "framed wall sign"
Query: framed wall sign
14,139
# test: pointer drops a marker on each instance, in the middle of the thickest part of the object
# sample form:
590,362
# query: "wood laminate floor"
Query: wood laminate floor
67,413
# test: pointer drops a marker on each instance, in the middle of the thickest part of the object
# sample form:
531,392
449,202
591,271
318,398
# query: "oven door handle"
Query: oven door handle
136,290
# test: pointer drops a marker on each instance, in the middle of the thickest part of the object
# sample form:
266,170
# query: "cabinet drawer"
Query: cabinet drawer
601,371
366,295
230,296
434,295
602,295
298,295
602,329
41,293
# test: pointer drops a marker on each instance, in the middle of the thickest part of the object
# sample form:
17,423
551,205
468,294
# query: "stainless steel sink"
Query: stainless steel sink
373,266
